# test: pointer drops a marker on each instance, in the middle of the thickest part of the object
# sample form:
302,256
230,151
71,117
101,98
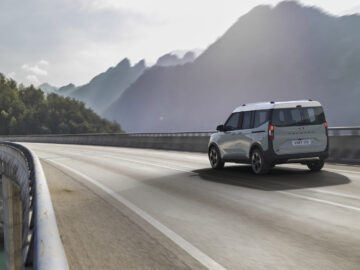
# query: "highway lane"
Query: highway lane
150,209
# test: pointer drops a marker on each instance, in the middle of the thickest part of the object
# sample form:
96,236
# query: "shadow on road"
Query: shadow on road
279,178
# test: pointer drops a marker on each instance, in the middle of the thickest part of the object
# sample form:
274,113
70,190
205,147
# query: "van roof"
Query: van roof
277,105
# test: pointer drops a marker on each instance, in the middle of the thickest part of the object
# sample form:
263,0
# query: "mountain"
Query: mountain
170,59
106,87
276,53
66,90
63,91
47,88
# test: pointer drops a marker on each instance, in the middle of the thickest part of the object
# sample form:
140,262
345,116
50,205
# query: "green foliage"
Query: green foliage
26,110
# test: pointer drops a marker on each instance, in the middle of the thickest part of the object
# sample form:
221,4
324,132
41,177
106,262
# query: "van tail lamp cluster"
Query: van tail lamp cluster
271,132
326,128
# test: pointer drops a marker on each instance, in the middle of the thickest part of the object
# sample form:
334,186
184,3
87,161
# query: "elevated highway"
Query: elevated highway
129,208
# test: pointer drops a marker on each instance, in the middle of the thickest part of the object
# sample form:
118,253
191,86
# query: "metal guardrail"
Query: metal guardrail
333,131
344,131
174,134
158,134
40,244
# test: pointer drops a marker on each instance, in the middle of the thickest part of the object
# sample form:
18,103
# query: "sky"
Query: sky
71,41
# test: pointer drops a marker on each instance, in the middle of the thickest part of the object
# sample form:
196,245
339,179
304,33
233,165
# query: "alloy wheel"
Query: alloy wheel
213,156
256,162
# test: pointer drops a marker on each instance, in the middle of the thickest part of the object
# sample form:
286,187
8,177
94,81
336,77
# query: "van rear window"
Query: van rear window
298,116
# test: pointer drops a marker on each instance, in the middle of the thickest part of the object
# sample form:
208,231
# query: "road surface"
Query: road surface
125,208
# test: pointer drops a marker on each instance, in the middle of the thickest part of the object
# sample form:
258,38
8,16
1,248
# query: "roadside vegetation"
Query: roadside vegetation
27,110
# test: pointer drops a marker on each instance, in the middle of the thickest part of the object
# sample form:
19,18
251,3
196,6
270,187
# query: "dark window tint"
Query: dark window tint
314,116
298,116
233,122
261,117
246,123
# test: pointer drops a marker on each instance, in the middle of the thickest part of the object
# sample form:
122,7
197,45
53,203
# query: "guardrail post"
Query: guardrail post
12,224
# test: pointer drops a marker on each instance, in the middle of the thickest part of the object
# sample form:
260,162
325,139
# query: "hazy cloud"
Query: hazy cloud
81,38
32,79
11,75
34,69
44,62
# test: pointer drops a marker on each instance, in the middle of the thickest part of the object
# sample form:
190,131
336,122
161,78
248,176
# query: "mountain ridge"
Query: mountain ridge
276,53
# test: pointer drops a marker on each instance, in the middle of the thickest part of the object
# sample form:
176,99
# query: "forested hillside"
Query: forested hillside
26,110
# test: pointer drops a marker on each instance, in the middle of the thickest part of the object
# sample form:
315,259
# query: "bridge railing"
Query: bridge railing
333,131
344,141
31,235
344,131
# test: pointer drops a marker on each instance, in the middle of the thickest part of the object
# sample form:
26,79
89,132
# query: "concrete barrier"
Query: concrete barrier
345,149
344,141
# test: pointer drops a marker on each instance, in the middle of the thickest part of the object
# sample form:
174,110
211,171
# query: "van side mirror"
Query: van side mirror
220,128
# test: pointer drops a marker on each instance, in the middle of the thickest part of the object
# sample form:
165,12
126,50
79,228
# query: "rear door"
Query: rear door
229,139
299,130
259,132
245,135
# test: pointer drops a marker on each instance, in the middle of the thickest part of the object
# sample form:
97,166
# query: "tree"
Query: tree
26,110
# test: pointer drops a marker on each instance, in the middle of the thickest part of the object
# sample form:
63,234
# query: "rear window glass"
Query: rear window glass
246,124
298,116
261,117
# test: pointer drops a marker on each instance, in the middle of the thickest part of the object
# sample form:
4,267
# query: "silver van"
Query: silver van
270,133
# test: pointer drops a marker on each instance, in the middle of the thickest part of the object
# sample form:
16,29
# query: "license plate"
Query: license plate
301,142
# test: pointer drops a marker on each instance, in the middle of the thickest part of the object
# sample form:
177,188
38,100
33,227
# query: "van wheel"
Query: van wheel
258,162
316,165
215,158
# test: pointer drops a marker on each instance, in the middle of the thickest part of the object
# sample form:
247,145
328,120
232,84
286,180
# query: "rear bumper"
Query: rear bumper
295,158
272,158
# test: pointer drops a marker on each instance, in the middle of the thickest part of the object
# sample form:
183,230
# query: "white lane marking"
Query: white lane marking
325,168
189,248
343,171
320,200
149,163
283,192
53,158
125,150
318,190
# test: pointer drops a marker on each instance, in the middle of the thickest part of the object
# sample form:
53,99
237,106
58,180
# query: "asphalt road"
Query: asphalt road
124,208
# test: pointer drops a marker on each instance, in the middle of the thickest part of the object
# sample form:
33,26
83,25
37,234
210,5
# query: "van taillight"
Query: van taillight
271,132
326,128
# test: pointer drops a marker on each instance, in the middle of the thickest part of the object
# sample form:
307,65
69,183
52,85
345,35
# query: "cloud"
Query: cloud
34,69
32,79
44,62
78,39
11,75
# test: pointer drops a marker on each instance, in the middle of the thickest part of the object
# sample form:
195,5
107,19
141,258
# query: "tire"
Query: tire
258,162
215,158
316,166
